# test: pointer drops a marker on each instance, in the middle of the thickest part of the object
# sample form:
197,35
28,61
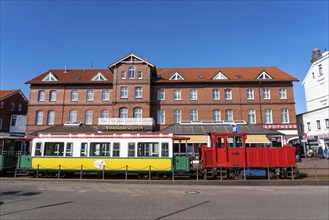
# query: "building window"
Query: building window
161,117
301,128
140,75
39,118
177,116
2,105
124,92
123,113
285,115
177,94
138,92
215,94
52,96
73,116
12,107
41,96
106,95
161,94
123,75
89,117
308,126
252,116
138,113
229,115
250,94
13,120
193,94
105,114
1,123
320,70
228,94
216,116
131,149
266,94
74,95
283,93
318,124
51,118
20,107
194,115
90,95
268,116
326,121
131,72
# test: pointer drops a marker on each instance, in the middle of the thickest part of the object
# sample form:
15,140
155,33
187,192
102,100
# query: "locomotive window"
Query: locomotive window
84,149
37,151
54,149
100,149
234,141
69,149
220,142
165,150
131,149
148,150
116,149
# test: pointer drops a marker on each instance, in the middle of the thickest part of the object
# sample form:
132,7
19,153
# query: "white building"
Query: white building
313,125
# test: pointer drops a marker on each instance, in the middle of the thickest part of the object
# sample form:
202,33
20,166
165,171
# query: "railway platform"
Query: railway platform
313,167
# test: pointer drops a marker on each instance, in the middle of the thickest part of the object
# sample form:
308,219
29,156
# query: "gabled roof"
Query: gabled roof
7,93
220,76
234,74
176,76
74,76
131,58
49,78
99,77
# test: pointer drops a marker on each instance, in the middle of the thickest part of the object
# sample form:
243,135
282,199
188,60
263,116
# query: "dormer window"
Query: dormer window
131,72
99,77
219,76
176,76
50,78
264,75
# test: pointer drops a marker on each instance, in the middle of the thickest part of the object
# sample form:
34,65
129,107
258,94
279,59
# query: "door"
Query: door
221,158
235,151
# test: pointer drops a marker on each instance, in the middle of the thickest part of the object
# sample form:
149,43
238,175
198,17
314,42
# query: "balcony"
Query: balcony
126,121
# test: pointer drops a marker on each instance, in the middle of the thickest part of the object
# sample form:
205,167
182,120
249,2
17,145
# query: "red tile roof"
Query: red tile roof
235,74
5,93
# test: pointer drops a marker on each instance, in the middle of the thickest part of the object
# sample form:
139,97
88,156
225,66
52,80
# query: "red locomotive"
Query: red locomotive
226,156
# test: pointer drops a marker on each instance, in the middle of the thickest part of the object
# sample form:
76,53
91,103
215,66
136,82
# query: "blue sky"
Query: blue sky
41,35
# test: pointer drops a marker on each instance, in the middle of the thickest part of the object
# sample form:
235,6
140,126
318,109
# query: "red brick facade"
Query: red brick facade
140,91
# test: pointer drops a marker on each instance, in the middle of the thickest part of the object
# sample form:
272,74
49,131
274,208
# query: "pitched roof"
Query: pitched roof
74,76
67,129
6,93
190,129
232,73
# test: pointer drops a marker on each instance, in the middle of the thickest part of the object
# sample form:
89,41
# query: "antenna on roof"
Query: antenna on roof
65,69
91,65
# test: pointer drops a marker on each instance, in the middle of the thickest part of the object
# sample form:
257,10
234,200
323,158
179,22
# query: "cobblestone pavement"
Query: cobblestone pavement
314,166
90,200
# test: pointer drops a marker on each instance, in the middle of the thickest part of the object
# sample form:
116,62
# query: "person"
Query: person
326,152
320,152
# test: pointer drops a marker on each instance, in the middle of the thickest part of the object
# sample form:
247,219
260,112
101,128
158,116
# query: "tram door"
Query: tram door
221,150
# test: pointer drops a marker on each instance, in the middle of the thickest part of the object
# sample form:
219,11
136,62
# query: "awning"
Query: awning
257,139
194,139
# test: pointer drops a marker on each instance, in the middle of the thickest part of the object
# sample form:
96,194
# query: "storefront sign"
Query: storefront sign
281,127
124,128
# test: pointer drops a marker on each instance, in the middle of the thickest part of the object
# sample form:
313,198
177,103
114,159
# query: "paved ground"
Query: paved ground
314,166
91,200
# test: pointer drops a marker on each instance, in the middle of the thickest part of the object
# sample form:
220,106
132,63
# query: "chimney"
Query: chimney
315,55
65,69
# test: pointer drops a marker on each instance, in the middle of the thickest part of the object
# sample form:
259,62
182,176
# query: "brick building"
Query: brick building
133,94
13,110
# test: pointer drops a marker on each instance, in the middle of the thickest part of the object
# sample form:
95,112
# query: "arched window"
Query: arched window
138,113
73,116
123,113
89,117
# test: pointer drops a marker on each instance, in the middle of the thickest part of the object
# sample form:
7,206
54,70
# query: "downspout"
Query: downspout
260,103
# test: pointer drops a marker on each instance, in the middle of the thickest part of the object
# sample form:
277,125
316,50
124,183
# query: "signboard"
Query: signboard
281,126
124,128
304,140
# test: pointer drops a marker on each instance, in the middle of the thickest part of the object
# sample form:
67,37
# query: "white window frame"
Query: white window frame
217,115
215,94
161,94
194,115
228,94
90,95
41,95
268,116
283,93
250,94
140,75
106,95
252,116
285,116
73,116
138,92
266,93
131,72
89,117
39,118
161,117
124,92
138,112
74,95
123,75
51,117
123,112
177,116
228,115
194,94
52,96
177,94
105,113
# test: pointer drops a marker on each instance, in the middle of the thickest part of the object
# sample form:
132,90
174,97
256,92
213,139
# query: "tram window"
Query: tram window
100,149
69,149
84,149
148,149
131,149
37,151
234,141
220,142
116,149
54,149
164,150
